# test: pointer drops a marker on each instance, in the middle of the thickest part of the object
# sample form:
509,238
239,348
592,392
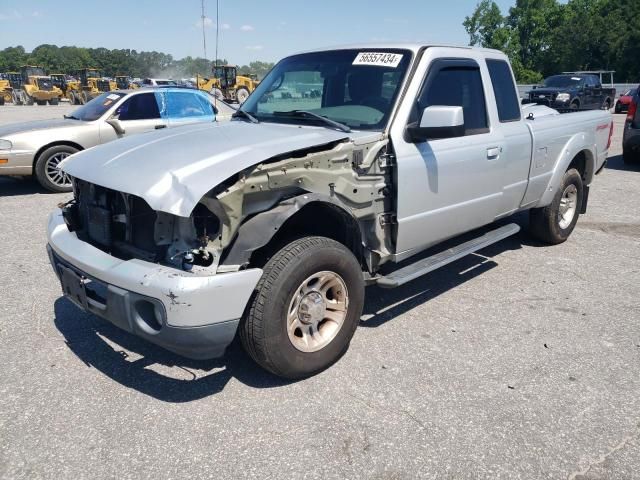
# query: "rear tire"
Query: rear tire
46,172
17,97
28,100
554,223
305,308
53,101
41,102
607,105
1,100
574,105
242,94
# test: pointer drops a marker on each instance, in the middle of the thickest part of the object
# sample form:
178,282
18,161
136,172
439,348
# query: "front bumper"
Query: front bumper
190,314
18,162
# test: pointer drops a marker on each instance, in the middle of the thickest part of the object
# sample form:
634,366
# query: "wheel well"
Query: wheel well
582,162
53,144
319,219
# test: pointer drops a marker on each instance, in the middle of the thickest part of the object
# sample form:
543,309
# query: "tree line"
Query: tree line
66,59
543,37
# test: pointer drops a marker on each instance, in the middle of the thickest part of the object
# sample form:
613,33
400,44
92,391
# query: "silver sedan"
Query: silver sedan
36,148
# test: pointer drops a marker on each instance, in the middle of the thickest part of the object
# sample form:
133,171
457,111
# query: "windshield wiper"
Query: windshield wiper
247,115
306,114
71,117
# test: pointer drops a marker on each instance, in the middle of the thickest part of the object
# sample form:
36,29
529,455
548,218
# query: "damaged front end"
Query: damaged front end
126,227
244,212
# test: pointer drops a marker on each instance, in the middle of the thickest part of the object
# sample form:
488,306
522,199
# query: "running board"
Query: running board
429,264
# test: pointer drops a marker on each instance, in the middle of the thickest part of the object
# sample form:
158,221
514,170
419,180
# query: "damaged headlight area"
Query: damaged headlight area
126,227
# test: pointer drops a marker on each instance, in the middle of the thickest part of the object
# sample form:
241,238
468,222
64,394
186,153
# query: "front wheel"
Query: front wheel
554,223
305,309
47,171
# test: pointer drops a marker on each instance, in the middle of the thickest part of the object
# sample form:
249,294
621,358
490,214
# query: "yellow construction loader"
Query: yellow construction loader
31,86
90,84
226,84
124,82
5,91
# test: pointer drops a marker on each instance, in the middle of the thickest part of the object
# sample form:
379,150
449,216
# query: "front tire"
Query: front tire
47,172
305,308
554,223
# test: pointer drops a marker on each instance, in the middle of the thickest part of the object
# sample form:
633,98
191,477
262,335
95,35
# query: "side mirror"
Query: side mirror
117,126
437,122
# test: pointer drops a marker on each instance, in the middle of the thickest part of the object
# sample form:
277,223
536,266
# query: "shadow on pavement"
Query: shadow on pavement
128,362
11,186
616,163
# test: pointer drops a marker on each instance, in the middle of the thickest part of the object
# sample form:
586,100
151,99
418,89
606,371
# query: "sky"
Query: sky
264,30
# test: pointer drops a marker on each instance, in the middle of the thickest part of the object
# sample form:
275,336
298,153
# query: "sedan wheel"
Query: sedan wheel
48,170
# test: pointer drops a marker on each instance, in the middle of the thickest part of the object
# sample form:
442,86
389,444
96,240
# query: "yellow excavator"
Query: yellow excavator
89,85
226,84
31,85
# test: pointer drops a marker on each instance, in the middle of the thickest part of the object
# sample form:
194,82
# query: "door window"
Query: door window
142,106
459,86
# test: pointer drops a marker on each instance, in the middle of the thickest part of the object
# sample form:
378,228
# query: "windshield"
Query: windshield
563,81
93,74
34,72
629,93
96,107
354,87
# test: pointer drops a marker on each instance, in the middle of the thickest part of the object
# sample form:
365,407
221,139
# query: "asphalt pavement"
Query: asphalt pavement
520,362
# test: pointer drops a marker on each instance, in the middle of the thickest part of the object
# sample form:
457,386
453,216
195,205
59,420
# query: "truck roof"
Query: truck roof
413,46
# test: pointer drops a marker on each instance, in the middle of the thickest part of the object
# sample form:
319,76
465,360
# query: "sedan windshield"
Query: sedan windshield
563,81
94,109
354,88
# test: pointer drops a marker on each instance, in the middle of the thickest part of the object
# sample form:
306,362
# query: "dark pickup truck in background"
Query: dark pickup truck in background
574,91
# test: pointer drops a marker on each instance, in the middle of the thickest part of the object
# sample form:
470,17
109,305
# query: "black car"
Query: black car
572,91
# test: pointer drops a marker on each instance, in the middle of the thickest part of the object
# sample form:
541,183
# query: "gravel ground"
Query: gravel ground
520,362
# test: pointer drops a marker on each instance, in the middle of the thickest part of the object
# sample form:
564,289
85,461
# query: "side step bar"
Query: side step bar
429,264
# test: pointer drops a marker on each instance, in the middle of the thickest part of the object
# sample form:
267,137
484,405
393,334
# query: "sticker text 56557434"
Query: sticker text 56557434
378,59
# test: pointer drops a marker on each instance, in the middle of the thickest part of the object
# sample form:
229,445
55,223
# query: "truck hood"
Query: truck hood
173,169
25,127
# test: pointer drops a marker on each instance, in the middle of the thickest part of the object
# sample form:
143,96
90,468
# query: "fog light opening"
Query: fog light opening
148,316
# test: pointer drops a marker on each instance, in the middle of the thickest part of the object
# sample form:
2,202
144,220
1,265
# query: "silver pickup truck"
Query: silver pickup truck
340,165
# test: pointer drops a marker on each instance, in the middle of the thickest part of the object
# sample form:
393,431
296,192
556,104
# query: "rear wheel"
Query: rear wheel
27,99
53,101
1,100
554,223
242,94
85,98
47,171
607,105
41,102
305,309
575,105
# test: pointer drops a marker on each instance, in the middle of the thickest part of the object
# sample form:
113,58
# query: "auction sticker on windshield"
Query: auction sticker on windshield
378,59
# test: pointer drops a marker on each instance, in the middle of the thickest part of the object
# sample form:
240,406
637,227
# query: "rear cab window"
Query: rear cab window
504,90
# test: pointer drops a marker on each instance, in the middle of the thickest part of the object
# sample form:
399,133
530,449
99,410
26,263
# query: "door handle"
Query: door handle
493,152
158,127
